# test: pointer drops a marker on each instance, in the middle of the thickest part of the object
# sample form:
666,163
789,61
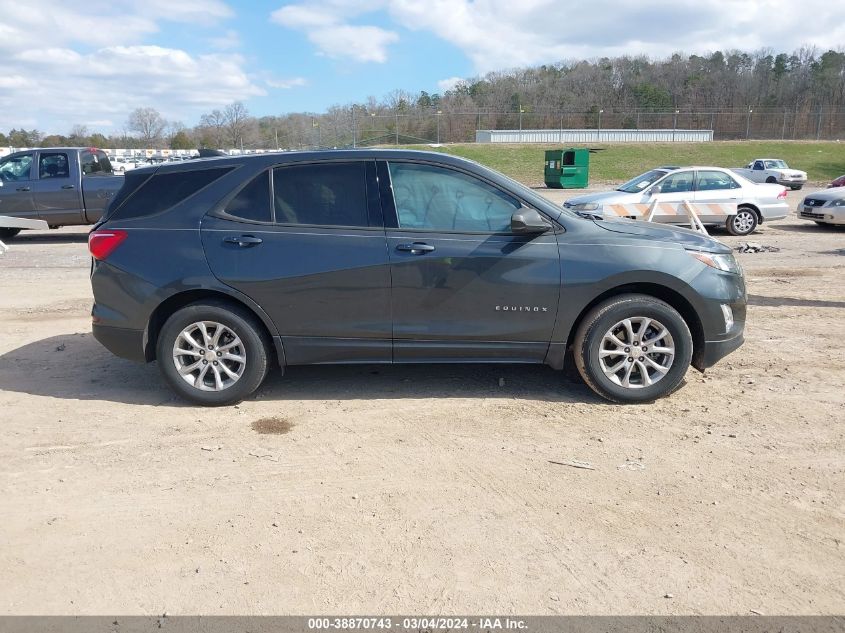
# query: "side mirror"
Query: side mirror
529,221
655,190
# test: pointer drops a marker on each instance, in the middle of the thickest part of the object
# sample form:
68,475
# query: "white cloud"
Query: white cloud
229,40
449,83
96,67
286,84
326,26
501,34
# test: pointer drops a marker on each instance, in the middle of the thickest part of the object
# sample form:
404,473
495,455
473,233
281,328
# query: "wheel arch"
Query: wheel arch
664,293
179,300
753,207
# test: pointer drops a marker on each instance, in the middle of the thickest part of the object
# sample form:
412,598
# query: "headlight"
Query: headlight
583,206
725,262
838,203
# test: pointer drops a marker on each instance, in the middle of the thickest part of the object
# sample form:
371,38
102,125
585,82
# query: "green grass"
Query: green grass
823,161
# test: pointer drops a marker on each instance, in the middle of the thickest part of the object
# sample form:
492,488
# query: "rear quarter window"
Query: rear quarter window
160,192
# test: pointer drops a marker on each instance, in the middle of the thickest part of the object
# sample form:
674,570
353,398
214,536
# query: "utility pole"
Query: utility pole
748,124
819,125
354,144
276,131
438,115
397,125
674,124
521,110
598,130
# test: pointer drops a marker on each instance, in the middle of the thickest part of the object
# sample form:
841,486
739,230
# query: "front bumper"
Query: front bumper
792,182
827,215
714,351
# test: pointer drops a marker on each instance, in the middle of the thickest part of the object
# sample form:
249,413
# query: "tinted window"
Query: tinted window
253,201
326,195
163,191
94,162
16,168
713,180
677,183
53,165
439,199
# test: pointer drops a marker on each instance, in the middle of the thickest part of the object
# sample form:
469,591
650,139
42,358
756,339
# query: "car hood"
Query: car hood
602,196
653,231
833,193
793,172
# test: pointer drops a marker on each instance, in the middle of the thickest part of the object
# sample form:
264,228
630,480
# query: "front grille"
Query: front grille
813,202
811,215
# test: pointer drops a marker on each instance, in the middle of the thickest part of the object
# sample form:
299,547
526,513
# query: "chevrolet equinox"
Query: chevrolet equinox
221,268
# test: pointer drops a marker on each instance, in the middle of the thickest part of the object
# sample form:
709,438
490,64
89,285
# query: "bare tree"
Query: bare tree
215,122
78,135
148,123
237,122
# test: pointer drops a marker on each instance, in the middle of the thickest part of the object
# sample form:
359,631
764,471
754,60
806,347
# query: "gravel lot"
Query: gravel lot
425,489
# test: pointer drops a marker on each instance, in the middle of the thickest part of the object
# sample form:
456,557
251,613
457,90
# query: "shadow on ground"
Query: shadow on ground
773,302
25,238
77,367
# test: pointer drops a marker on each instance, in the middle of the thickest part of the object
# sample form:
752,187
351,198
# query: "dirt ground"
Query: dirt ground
425,489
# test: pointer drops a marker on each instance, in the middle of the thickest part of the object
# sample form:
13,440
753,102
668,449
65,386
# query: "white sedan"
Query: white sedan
824,207
756,202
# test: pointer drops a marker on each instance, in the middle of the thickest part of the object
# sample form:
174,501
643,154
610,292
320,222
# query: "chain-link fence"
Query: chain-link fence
361,129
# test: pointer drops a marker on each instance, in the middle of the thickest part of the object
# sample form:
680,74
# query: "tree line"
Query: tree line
625,90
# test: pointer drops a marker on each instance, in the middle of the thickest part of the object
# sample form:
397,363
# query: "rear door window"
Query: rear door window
715,180
327,194
94,162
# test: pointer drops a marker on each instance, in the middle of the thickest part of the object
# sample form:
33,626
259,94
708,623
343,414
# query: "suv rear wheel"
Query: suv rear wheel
213,353
633,348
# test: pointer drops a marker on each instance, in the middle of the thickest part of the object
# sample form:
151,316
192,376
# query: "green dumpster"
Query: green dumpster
567,168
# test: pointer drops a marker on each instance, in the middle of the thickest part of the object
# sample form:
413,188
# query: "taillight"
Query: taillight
102,243
782,195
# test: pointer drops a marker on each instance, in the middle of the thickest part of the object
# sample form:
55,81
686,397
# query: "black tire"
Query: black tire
589,340
797,188
255,349
743,223
772,180
7,234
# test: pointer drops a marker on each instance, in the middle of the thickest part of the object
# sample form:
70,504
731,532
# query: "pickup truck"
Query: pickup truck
773,170
64,186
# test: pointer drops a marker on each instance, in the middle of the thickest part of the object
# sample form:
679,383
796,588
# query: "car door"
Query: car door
714,187
16,190
464,287
306,242
55,192
675,188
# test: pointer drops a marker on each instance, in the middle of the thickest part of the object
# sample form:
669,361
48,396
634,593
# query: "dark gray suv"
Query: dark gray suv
221,268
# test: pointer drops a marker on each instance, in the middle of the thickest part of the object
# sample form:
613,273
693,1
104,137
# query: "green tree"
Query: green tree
181,140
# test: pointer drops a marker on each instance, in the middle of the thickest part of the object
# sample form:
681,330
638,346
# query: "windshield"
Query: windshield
776,164
639,183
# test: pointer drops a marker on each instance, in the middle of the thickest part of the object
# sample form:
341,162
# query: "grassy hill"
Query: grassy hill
823,161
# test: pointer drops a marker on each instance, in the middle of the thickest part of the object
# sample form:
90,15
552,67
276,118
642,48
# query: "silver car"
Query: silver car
824,207
756,202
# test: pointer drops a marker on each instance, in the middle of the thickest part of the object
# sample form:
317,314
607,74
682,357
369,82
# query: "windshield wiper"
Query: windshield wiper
589,215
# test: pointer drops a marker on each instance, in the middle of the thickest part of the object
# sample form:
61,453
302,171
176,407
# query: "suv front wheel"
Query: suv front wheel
213,353
633,348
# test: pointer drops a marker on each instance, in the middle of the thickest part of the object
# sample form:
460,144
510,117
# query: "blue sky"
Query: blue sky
93,63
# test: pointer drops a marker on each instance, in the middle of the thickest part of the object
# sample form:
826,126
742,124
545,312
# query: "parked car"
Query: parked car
220,268
61,185
773,171
824,207
756,203
839,182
